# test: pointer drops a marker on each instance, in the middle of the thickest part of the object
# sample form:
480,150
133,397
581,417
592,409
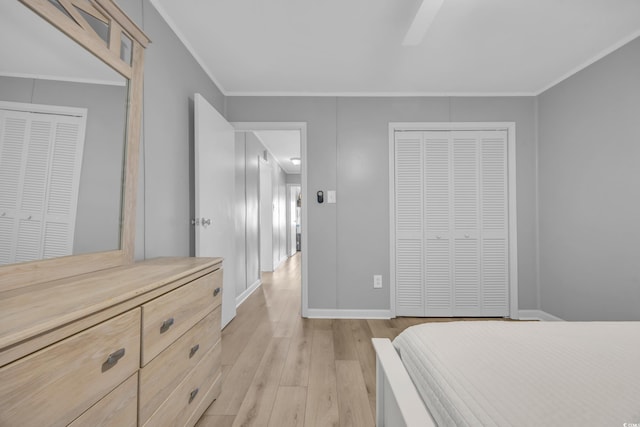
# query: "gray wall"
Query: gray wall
171,77
279,214
100,191
248,150
589,183
293,178
320,113
348,151
241,213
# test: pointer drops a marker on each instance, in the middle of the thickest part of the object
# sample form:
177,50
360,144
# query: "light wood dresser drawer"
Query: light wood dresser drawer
55,385
167,370
167,317
188,396
116,409
211,395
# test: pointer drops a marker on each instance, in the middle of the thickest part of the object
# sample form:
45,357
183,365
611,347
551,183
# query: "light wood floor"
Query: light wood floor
282,370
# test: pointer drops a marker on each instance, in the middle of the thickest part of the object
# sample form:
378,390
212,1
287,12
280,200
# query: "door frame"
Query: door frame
290,215
510,128
302,127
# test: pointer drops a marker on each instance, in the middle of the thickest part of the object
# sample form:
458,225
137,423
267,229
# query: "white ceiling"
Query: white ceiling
283,145
31,47
354,47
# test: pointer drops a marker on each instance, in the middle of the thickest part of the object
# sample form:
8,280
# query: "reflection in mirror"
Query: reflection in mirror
61,175
99,26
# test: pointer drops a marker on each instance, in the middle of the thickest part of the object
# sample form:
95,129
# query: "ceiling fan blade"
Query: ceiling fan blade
422,21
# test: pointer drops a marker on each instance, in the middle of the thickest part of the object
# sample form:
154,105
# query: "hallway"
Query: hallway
282,370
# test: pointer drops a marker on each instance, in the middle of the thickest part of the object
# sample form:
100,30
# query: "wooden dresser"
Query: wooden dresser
126,346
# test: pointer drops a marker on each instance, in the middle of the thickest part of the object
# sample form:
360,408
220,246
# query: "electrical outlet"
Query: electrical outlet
377,281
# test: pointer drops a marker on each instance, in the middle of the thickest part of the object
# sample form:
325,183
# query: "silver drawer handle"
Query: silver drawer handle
216,292
193,395
113,359
193,350
166,325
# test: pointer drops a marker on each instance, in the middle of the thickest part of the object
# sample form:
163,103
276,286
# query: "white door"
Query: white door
215,195
451,223
266,217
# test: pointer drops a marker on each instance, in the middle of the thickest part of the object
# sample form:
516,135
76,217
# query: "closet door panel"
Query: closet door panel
409,186
466,282
437,224
493,161
63,186
12,154
494,224
34,185
437,188
466,195
438,269
409,278
13,133
495,277
29,238
56,241
465,183
6,239
409,224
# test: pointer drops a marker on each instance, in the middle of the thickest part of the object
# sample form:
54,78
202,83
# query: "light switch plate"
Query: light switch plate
331,196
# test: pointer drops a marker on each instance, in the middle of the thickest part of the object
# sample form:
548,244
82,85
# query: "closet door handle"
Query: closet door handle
166,325
193,350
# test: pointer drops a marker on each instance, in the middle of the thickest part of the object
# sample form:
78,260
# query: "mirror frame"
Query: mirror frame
77,28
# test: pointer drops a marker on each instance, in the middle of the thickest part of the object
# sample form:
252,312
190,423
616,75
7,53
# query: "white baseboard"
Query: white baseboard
243,296
279,264
538,315
321,313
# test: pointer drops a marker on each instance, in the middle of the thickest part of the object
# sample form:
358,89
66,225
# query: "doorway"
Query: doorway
301,129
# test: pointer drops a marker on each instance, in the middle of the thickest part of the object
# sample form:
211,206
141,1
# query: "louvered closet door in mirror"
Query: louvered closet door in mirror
40,160
451,223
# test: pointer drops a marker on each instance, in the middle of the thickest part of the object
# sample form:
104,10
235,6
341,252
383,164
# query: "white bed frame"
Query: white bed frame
397,400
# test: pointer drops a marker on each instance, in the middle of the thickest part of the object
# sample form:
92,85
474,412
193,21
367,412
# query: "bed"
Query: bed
496,373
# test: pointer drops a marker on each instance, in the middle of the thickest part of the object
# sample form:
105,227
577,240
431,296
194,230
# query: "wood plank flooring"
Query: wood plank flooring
282,370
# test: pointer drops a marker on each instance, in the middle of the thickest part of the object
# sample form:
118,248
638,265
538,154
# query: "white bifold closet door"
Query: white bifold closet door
451,219
40,161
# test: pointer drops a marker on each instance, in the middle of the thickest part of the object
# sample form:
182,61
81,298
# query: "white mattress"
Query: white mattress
526,373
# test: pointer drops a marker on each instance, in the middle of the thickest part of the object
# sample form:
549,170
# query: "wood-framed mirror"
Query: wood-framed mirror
104,30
